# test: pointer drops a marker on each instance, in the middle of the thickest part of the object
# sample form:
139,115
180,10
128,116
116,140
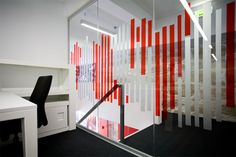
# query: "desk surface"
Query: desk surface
10,102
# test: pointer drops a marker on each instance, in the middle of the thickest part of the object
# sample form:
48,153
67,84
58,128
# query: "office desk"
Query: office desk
15,107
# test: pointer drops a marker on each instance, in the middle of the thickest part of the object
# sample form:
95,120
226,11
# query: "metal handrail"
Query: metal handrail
122,109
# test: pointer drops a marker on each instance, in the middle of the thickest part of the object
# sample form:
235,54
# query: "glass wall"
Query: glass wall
176,60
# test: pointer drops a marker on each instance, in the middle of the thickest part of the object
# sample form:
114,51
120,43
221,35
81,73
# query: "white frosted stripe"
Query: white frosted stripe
180,123
207,69
143,93
149,96
196,75
187,80
218,65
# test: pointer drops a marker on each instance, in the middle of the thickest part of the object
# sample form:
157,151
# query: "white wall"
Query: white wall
34,30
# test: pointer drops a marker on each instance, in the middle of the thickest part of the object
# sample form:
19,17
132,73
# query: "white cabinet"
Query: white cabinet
20,77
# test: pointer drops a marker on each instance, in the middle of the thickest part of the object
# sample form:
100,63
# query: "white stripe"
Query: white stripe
187,101
196,75
218,65
207,69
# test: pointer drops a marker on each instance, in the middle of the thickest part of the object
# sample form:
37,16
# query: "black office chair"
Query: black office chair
38,96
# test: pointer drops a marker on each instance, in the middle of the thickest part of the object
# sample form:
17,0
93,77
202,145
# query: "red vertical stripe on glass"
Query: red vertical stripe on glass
149,33
80,52
143,49
157,76
164,66
115,92
102,64
179,21
230,48
172,67
187,23
111,70
127,99
105,66
132,25
119,94
108,66
99,73
96,93
93,66
138,34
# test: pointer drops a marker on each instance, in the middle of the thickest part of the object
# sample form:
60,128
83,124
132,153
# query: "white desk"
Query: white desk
15,107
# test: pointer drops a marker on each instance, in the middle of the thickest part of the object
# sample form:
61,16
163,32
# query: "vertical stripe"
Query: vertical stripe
93,66
132,35
111,70
105,67
97,72
188,80
119,95
196,75
127,99
115,92
187,23
70,57
143,47
149,33
164,71
138,34
74,53
207,109
218,65
102,65
230,26
108,66
179,46
172,67
157,76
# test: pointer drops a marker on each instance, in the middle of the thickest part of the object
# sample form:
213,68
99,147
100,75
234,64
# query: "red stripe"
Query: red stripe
99,73
179,46
127,99
105,66
157,51
96,93
132,23
230,47
111,70
143,49
102,65
164,62
119,94
93,66
77,51
109,66
149,33
115,92
187,23
138,34
172,66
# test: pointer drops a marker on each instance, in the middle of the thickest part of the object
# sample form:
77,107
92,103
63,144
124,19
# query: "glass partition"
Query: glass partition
176,61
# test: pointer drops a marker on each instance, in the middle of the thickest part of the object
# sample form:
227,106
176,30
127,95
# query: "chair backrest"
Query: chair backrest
39,96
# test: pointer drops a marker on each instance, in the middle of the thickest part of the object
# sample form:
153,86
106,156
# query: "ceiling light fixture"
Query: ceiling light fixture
95,28
196,23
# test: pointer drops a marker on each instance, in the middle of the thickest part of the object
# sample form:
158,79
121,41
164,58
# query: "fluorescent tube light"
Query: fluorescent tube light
190,12
213,55
93,27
